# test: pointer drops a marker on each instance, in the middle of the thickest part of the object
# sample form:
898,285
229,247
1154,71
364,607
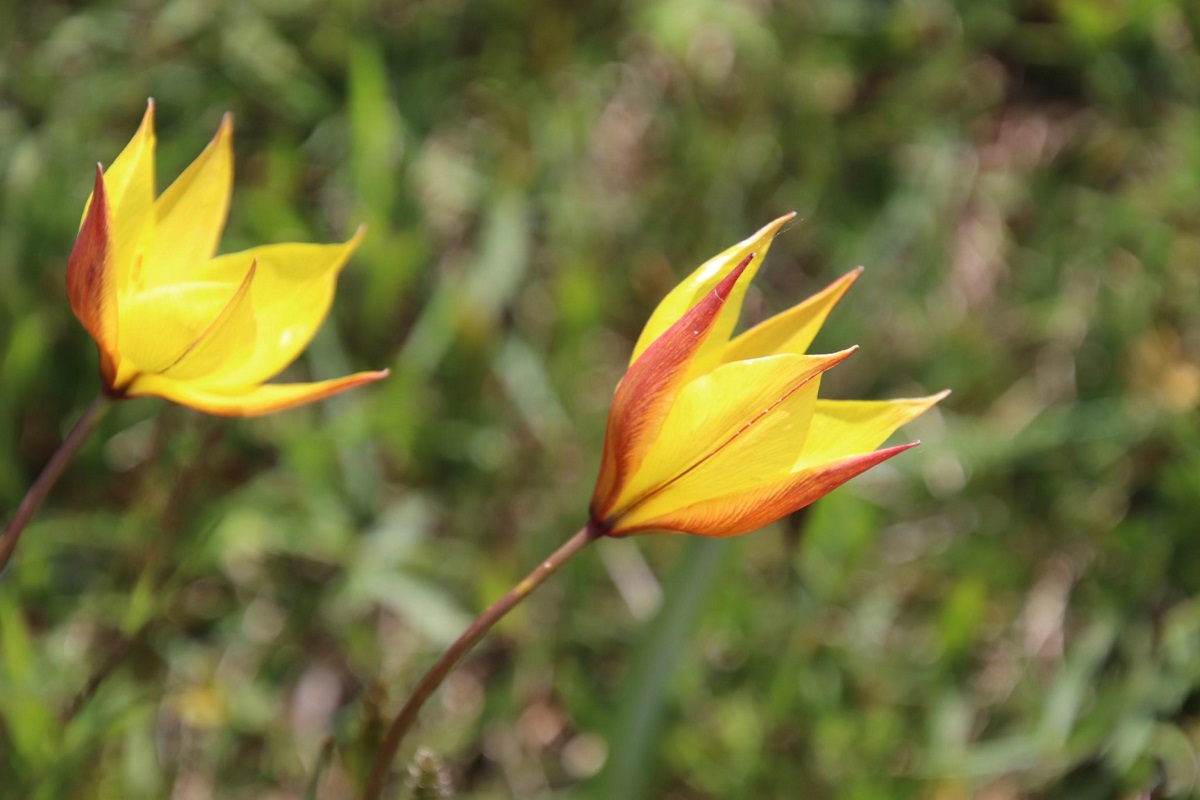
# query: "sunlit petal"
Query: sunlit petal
228,340
748,510
715,410
252,402
130,186
842,428
159,326
791,331
765,452
644,396
291,295
191,213
702,281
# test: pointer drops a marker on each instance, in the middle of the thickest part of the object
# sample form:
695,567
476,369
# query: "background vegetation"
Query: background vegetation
1008,611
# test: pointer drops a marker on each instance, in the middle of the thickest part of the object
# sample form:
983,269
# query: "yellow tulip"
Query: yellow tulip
173,320
719,436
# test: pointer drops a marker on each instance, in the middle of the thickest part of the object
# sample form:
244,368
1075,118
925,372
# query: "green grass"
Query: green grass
1011,608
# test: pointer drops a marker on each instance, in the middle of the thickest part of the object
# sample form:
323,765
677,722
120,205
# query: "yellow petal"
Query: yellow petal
645,395
291,294
751,509
843,428
715,409
190,215
130,185
776,466
764,453
91,286
248,403
791,331
227,342
160,325
702,281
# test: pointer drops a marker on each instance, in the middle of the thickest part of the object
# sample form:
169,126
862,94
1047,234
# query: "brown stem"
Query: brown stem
112,661
49,476
474,632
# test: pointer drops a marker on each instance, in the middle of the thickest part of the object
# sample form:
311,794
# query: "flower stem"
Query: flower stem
474,632
49,476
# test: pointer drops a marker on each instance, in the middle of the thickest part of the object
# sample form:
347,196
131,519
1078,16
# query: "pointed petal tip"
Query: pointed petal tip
722,289
225,129
837,357
359,234
931,400
772,228
99,194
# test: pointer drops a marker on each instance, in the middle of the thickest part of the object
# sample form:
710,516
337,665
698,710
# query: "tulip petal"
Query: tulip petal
190,215
761,468
248,403
159,326
699,283
91,286
844,427
790,331
291,295
765,453
644,396
713,410
735,514
227,341
129,183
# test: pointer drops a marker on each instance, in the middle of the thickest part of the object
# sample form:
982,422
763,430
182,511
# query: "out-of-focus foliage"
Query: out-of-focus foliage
1010,610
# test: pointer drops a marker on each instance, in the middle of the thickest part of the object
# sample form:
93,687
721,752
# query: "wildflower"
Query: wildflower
719,436
173,321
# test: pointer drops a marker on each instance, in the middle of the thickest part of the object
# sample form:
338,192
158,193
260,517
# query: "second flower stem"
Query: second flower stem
445,663
48,477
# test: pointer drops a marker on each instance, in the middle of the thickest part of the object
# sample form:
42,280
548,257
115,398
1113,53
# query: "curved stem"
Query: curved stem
48,477
474,632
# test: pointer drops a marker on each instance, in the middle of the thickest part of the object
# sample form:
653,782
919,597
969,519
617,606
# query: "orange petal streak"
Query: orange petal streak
643,397
747,511
90,286
265,399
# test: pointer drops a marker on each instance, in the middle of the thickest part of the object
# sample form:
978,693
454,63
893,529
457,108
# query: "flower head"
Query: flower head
718,436
173,321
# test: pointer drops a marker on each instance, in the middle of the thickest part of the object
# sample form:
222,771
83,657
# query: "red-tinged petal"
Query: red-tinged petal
90,282
129,182
695,286
712,413
263,399
742,512
644,396
790,331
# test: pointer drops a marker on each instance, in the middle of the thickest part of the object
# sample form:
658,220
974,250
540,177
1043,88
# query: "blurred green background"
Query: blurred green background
215,609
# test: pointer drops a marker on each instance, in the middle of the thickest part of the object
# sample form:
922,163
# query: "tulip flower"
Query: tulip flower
718,436
708,434
173,320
